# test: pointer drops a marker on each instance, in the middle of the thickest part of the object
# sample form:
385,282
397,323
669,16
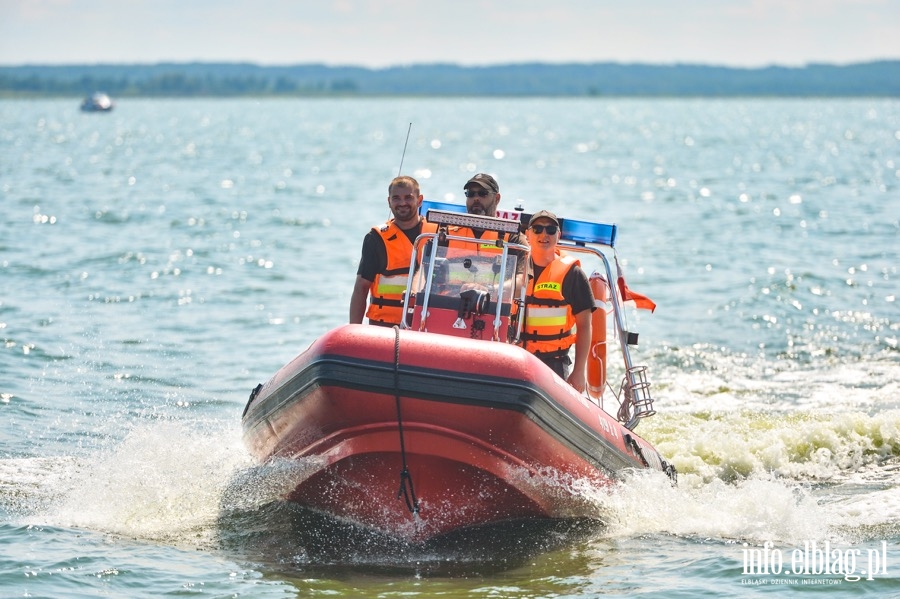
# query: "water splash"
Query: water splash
743,476
733,445
164,481
758,509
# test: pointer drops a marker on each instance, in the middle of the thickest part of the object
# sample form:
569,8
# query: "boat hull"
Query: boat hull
416,438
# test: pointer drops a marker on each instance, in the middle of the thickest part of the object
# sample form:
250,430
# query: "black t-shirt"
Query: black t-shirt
373,259
576,289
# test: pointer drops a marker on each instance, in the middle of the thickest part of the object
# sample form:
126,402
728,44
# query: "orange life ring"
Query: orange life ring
596,366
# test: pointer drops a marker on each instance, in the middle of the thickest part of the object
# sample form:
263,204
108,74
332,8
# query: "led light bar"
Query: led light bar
473,221
579,231
586,232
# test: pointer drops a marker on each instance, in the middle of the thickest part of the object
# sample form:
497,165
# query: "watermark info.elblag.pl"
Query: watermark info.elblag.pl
812,564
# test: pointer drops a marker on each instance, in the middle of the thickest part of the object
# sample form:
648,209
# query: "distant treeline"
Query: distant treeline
881,78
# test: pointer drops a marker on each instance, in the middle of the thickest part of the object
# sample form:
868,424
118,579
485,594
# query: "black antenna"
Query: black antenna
402,156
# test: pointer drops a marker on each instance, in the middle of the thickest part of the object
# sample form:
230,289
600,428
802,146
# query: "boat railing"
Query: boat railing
635,401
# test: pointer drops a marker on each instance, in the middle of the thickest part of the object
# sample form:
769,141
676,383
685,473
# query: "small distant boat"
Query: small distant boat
98,102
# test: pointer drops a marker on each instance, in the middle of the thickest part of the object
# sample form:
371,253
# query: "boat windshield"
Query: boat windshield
464,287
455,270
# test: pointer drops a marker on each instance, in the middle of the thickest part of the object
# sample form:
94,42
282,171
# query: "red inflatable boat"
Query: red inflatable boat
444,423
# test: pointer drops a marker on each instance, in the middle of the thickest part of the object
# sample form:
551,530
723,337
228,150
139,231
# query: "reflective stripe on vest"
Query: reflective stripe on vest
395,285
547,317
386,291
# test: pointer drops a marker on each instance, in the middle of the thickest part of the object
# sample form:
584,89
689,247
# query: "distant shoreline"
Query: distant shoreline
174,80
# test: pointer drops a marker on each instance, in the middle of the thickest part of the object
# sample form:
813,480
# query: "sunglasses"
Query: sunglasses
480,193
551,229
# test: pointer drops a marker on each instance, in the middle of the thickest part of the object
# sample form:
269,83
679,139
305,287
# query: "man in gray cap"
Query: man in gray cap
558,303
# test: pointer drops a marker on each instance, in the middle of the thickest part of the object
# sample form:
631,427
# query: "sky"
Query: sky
383,33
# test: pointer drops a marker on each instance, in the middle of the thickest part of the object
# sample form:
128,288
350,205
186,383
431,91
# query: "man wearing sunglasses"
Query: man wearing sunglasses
558,299
482,196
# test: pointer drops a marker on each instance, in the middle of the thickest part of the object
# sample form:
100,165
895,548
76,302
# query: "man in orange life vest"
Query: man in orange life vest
558,298
482,196
386,254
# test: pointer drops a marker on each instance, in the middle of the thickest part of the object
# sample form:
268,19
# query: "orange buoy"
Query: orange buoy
596,366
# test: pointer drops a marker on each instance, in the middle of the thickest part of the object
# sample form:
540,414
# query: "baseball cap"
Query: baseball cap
484,180
543,214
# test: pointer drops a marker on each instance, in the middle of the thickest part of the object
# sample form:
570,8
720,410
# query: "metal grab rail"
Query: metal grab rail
634,394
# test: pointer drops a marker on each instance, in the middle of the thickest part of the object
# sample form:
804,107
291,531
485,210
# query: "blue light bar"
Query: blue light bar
579,231
435,205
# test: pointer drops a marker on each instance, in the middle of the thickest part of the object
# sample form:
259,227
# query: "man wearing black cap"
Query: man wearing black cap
558,299
482,196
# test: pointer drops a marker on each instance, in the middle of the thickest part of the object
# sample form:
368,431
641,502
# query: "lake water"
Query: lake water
159,261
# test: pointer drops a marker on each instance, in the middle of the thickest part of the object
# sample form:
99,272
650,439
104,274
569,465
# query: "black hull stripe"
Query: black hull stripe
446,387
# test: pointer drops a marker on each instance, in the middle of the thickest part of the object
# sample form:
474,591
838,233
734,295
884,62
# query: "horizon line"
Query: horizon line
447,64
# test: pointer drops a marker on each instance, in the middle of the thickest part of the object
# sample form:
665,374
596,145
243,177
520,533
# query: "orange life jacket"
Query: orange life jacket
386,291
548,318
486,243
